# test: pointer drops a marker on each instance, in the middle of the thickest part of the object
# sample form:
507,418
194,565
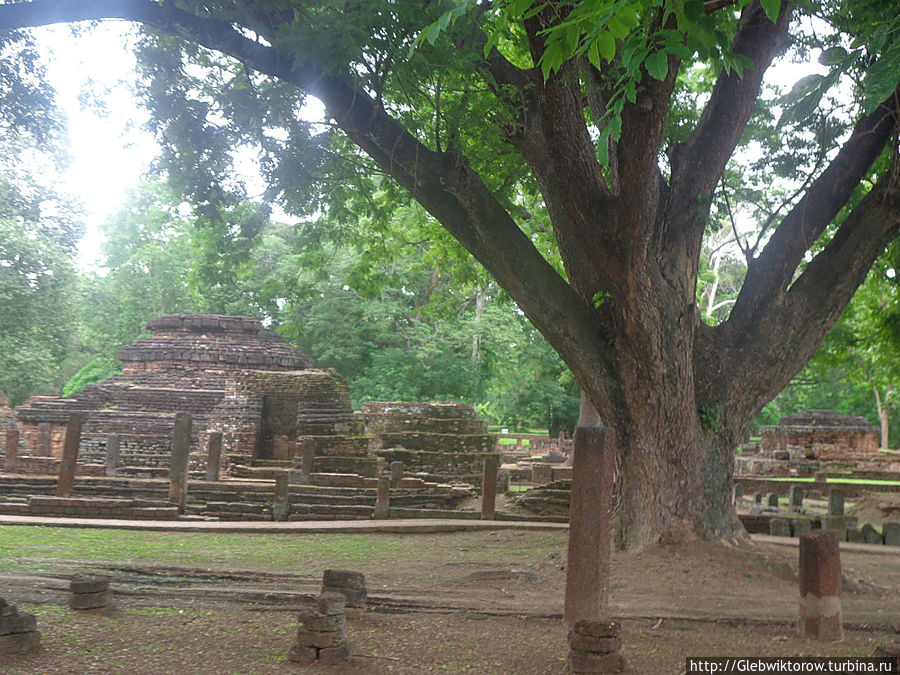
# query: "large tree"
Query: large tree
570,101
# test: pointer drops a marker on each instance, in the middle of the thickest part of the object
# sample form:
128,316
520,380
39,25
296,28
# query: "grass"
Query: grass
21,547
833,481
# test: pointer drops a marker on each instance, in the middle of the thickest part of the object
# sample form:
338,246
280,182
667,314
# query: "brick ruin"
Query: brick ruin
443,439
230,373
819,435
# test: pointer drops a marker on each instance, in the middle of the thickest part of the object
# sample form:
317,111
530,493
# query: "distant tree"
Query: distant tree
38,235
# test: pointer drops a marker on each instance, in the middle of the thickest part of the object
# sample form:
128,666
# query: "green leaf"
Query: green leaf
833,56
771,8
606,44
657,65
593,53
603,147
882,78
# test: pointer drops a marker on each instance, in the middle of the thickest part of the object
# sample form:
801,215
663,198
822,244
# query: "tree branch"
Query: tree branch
698,162
769,275
788,332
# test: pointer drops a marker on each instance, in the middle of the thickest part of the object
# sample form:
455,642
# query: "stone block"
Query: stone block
90,600
320,639
17,623
870,535
891,532
600,629
298,654
323,623
595,645
331,603
89,584
586,663
330,656
20,643
772,499
343,579
835,502
779,527
800,526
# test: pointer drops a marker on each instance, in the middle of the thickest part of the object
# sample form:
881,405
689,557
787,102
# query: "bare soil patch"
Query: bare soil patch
477,611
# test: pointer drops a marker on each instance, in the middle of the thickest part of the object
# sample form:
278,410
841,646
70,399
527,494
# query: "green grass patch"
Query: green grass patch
25,547
834,481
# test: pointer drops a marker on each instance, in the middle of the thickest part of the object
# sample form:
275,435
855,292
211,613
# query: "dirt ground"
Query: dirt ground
450,616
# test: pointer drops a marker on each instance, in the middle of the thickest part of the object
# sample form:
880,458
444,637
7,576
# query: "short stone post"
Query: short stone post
213,454
43,442
178,464
396,474
18,632
772,499
587,569
11,450
281,505
89,592
835,502
383,498
757,498
113,455
66,480
307,459
737,493
489,486
795,495
503,479
820,586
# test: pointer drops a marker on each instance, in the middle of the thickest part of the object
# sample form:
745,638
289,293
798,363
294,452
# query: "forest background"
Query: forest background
370,286
374,289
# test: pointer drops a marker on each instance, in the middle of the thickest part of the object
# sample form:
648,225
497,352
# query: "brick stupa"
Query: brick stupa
229,372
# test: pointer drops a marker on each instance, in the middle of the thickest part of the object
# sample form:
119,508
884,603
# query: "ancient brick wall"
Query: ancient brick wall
819,434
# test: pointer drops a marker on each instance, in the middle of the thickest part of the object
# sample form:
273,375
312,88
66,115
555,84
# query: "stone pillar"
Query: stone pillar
307,459
587,570
772,499
113,456
737,493
489,486
66,480
11,450
835,502
178,464
383,498
396,474
43,442
281,505
213,454
820,586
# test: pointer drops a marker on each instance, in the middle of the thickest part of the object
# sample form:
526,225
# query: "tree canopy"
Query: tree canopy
604,131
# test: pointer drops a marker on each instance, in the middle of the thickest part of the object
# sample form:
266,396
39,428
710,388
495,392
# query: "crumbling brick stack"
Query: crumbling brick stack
446,439
820,435
322,636
18,632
